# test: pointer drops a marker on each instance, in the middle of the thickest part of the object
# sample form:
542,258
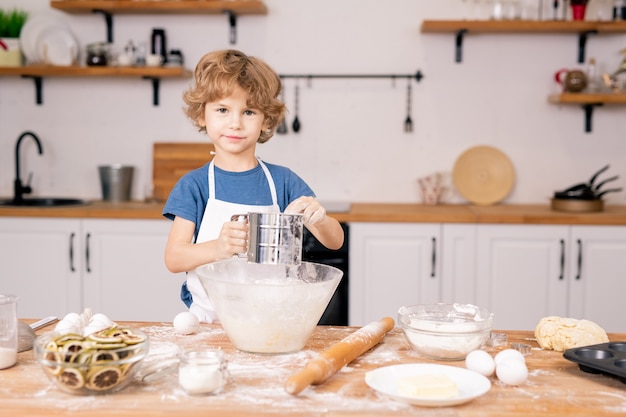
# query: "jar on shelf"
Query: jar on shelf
97,54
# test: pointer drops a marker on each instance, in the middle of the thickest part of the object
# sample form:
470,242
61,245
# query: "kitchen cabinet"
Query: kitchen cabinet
392,264
395,264
41,265
597,264
458,263
526,272
115,267
520,273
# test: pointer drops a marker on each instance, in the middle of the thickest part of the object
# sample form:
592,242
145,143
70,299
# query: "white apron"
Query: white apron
216,213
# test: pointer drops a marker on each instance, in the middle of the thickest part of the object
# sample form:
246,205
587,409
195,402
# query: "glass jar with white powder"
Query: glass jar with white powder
202,371
8,330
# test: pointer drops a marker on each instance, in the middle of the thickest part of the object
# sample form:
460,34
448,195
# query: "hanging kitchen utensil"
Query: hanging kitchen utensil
296,122
408,123
282,127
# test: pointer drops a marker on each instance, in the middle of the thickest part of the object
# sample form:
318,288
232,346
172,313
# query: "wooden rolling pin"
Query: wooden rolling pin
319,369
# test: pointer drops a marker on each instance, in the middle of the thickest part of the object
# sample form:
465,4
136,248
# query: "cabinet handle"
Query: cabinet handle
580,258
562,259
72,252
434,258
87,240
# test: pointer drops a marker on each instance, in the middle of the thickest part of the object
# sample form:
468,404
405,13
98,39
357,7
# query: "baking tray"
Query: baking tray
604,358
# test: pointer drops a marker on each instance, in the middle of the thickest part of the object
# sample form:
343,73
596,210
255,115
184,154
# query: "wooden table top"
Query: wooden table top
555,386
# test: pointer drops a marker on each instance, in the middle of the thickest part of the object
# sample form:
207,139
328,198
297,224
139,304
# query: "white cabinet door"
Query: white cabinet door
125,275
521,273
597,263
41,263
392,264
458,267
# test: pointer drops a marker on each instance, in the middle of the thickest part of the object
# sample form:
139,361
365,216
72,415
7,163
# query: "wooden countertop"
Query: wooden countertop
363,212
555,386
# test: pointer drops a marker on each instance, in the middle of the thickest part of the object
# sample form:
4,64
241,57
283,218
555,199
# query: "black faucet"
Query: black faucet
18,188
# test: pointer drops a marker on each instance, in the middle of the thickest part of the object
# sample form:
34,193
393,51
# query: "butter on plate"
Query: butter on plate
427,386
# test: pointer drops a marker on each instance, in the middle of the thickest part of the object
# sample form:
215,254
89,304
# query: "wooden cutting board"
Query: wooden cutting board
172,160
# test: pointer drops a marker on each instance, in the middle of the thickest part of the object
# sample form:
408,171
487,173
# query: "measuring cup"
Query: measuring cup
8,331
275,238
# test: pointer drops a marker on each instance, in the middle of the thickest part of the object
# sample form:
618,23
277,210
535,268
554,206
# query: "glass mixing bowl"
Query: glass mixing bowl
445,331
104,362
266,308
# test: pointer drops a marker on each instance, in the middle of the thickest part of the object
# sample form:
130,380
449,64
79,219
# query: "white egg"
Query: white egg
100,320
509,355
481,362
186,323
66,327
512,372
92,328
73,318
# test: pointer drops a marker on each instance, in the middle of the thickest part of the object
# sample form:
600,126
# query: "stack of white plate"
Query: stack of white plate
47,39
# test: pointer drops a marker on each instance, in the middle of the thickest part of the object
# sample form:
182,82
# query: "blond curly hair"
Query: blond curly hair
219,72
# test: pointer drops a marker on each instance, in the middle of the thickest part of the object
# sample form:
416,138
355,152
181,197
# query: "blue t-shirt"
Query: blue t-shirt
189,196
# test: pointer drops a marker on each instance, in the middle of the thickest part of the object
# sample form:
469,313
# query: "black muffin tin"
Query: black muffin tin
604,358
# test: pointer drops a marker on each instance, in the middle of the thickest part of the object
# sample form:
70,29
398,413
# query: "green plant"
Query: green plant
11,23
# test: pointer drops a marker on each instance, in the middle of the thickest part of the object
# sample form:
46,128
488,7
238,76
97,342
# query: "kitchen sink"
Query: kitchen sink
43,202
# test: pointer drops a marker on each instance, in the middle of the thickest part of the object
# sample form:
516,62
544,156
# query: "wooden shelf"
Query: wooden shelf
37,72
95,71
161,6
521,26
463,27
588,102
108,8
583,98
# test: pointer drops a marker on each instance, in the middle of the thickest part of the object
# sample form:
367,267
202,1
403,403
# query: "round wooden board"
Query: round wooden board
483,175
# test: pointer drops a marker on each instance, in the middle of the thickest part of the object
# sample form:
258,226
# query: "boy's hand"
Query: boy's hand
312,211
233,239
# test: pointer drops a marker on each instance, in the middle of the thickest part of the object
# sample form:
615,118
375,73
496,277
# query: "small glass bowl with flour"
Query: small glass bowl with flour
445,331
202,371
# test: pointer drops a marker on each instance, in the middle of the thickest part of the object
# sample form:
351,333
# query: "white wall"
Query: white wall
352,145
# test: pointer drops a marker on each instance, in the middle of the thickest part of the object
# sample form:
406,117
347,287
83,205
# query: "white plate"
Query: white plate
32,30
57,46
470,384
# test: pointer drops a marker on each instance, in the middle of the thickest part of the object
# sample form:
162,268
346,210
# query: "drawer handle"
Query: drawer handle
561,274
72,252
434,258
87,241
580,258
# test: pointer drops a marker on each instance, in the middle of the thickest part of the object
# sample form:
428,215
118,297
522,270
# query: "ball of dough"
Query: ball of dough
481,362
562,333
186,323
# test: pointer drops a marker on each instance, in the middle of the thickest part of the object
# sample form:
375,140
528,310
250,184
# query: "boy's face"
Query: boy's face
231,125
